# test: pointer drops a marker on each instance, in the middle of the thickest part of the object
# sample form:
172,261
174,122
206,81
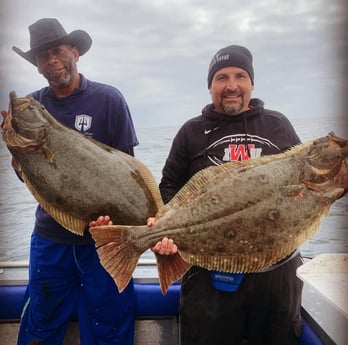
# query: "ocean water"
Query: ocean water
17,205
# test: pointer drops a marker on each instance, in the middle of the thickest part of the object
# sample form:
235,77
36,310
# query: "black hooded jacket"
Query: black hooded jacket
212,139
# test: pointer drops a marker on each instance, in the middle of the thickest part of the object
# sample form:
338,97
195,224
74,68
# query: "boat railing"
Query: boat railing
25,263
16,272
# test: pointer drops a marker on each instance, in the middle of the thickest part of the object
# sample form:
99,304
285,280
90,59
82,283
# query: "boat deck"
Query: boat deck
157,315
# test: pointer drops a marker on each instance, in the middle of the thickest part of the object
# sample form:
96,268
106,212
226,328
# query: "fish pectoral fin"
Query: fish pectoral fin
170,269
47,153
116,252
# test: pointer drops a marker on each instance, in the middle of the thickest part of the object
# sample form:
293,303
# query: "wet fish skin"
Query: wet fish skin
75,178
236,217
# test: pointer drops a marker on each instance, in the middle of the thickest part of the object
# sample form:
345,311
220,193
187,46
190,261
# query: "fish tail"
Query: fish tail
170,269
117,252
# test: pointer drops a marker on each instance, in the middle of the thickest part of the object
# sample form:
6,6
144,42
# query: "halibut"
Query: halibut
236,217
74,178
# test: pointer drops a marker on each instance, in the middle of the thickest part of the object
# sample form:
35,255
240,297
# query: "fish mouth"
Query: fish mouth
10,136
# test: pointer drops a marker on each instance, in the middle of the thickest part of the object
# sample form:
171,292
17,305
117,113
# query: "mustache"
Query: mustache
231,93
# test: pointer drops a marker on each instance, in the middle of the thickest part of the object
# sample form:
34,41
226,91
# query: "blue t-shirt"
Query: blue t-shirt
98,111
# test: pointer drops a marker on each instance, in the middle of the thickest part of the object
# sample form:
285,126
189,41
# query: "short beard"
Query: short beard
232,109
64,83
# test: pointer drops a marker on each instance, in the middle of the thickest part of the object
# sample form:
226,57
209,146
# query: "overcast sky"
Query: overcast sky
157,52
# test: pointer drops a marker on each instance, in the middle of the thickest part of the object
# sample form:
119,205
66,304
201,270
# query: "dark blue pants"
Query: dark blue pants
66,280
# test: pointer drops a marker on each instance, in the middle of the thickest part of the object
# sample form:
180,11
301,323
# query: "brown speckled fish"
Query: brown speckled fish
76,179
236,217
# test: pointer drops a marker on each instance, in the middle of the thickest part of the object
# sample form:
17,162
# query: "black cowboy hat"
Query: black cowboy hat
48,32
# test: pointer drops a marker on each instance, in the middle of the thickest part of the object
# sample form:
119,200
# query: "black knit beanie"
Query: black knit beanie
234,55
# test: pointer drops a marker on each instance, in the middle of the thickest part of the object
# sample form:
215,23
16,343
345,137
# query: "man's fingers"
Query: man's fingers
165,247
101,220
157,247
150,221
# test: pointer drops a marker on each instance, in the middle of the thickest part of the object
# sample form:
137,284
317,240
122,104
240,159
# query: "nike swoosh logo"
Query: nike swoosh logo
207,131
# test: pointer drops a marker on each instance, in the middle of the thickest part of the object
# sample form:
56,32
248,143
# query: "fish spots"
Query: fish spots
215,199
236,182
274,215
220,248
230,233
263,178
191,230
64,177
195,212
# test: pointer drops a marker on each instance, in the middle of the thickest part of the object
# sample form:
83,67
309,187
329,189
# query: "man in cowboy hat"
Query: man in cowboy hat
65,272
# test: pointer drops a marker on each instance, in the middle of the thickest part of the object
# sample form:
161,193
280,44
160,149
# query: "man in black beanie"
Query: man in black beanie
234,55
233,309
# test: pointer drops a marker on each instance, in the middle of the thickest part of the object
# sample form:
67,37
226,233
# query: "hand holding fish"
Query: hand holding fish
102,220
164,247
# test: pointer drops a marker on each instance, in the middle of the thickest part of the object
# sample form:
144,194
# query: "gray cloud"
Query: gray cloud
157,53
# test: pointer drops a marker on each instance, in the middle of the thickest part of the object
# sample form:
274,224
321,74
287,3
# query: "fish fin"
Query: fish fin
204,177
193,187
116,252
235,263
150,182
75,225
48,154
170,269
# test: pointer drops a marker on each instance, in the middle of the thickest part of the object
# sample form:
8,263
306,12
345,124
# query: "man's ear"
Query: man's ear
76,53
